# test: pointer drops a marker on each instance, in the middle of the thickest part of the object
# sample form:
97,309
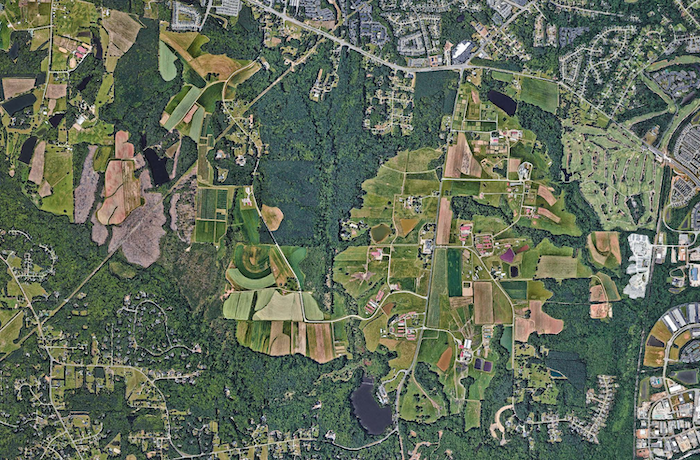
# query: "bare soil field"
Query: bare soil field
460,160
601,310
36,174
549,215
272,216
597,293
539,322
483,302
122,193
320,342
85,192
605,247
11,87
445,359
444,222
513,165
387,307
299,338
56,91
122,30
546,193
141,245
280,343
99,231
122,149
405,226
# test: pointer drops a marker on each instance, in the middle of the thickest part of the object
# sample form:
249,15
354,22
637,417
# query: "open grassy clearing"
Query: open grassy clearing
544,94
182,108
237,306
472,415
166,62
58,173
10,333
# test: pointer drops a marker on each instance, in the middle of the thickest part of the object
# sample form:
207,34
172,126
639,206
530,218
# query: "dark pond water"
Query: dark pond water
55,120
503,102
97,43
373,417
513,272
83,83
14,51
19,103
27,150
157,166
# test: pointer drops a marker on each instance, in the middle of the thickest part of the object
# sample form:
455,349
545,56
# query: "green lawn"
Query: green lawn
58,172
542,93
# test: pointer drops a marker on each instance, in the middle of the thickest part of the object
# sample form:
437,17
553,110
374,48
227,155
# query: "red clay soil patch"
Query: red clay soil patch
190,114
523,328
280,342
85,192
320,342
445,359
475,97
539,322
122,149
272,216
14,86
299,338
444,222
140,234
56,91
597,293
36,174
483,302
548,214
405,226
544,324
601,310
387,307
547,194
122,192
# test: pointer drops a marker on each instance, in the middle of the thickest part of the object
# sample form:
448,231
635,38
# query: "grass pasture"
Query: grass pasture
182,108
557,267
237,306
544,94
10,333
58,172
472,415
235,277
166,62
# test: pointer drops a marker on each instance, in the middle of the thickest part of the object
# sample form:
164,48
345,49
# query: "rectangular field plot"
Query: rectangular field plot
212,206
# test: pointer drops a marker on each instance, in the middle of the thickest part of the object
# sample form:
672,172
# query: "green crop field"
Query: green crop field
196,124
515,289
237,305
166,62
421,184
182,108
454,272
254,335
438,287
244,282
544,94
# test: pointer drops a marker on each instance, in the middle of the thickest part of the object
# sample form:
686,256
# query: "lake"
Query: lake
503,102
27,150
373,417
157,167
19,103
55,120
